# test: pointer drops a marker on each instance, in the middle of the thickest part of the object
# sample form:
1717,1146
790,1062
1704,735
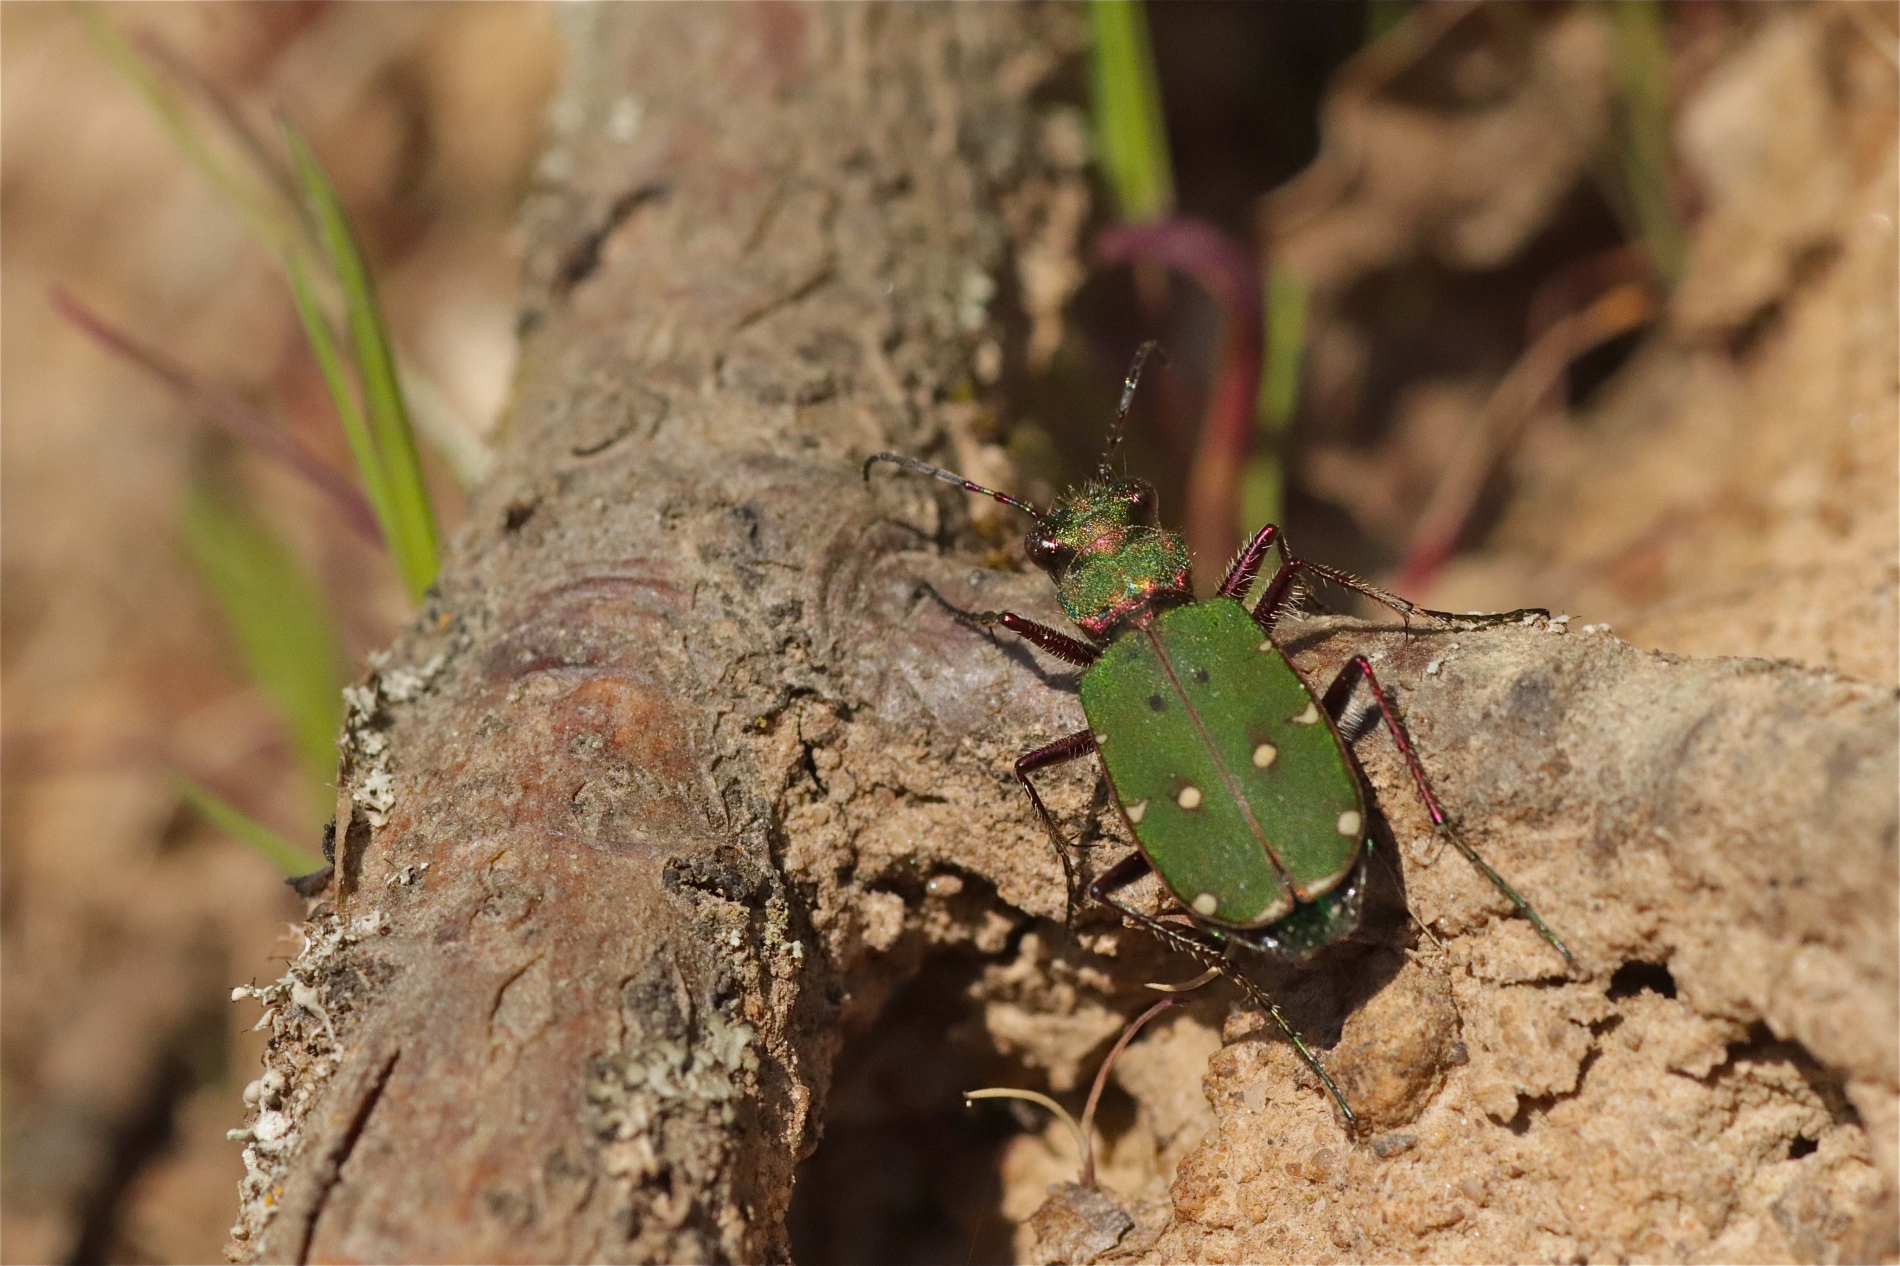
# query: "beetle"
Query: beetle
1229,770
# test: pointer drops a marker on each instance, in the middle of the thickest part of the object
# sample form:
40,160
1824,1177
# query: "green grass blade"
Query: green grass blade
411,526
281,623
1263,483
234,822
1642,74
116,51
1286,347
280,220
1383,17
1131,135
369,463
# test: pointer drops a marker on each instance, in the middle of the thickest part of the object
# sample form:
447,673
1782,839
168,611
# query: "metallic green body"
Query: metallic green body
1116,561
1229,773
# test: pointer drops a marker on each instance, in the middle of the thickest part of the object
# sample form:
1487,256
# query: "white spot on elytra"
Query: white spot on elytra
1265,645
1100,739
1308,717
1265,755
1206,904
1190,797
1136,811
1349,822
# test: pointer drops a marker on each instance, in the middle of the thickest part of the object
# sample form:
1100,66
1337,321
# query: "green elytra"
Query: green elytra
1230,772
1235,786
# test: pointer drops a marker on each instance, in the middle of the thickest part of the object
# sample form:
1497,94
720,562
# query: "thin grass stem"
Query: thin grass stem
234,822
1082,1150
1087,1128
410,526
229,410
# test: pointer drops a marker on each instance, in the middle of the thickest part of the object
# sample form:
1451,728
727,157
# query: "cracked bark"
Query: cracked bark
682,738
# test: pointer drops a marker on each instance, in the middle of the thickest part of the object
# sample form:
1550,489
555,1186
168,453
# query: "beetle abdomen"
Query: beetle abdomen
1234,783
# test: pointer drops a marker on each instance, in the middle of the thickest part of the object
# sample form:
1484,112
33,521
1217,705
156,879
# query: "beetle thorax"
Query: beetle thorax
1112,563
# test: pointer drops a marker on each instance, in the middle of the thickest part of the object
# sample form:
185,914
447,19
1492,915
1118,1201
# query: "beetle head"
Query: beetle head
1110,558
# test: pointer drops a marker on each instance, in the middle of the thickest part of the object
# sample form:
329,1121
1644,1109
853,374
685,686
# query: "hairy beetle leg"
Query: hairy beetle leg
1132,868
1059,644
1266,612
1245,568
1337,696
1068,748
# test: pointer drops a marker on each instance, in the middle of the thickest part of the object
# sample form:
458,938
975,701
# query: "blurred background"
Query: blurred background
1582,305
127,917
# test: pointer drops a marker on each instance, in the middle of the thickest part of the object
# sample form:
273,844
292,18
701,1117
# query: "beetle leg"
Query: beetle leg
1335,701
1133,867
1475,619
1246,565
1278,589
1070,747
1266,612
1061,645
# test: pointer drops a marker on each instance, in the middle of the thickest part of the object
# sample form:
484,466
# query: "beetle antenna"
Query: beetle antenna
1128,397
949,477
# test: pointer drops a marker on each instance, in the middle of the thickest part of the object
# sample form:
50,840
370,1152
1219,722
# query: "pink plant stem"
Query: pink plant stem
228,410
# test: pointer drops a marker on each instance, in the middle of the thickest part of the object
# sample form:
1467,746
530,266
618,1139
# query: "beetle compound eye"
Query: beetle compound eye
1142,502
1046,552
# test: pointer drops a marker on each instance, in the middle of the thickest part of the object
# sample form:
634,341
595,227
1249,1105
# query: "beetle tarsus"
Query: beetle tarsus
1484,619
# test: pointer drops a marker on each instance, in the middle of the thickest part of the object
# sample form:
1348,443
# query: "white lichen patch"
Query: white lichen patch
406,876
629,1095
400,685
364,738
784,955
299,1059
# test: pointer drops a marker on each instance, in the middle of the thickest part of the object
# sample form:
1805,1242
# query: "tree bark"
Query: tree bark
651,803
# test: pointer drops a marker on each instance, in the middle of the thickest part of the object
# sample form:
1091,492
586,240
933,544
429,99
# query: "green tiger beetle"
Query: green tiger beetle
1230,771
